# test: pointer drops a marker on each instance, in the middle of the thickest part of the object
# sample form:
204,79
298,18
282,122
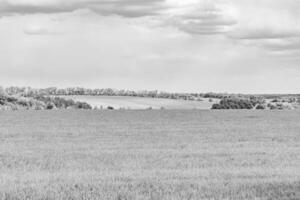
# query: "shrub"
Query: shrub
110,108
50,106
39,102
234,103
216,106
23,102
82,105
260,107
39,105
2,101
11,99
11,106
62,103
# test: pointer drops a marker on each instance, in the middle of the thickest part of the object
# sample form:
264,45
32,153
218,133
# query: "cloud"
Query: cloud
200,17
252,22
128,8
283,46
194,17
270,25
203,20
40,30
259,28
257,33
249,19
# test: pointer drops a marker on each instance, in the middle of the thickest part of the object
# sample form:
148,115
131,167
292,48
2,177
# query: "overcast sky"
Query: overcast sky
246,46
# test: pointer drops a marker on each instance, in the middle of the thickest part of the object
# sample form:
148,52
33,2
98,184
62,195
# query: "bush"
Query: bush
23,102
280,106
39,105
40,102
216,106
50,106
82,105
260,107
62,103
2,101
234,103
110,108
11,106
11,99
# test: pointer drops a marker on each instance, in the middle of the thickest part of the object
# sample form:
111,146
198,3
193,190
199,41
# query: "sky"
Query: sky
236,46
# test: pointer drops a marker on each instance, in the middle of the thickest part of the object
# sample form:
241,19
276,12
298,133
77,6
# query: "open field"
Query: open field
154,154
137,103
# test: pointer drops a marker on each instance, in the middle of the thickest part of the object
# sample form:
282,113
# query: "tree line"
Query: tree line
54,91
28,92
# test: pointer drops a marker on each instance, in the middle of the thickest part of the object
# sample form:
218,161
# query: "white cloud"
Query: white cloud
249,19
129,8
265,21
200,17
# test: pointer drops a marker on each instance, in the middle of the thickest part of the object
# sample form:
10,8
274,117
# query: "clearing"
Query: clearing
142,103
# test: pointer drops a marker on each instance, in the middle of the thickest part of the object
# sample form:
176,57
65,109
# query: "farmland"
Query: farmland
150,154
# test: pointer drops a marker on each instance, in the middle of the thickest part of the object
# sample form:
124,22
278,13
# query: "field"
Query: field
138,103
150,154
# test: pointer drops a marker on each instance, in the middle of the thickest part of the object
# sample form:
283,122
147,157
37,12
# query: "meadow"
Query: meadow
138,103
150,154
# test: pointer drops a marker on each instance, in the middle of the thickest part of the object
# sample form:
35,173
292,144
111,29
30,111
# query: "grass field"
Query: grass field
138,103
154,154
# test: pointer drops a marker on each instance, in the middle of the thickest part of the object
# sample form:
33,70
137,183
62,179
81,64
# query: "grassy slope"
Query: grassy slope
150,155
142,102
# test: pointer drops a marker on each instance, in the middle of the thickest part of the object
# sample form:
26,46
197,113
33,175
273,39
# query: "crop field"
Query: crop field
150,155
138,103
